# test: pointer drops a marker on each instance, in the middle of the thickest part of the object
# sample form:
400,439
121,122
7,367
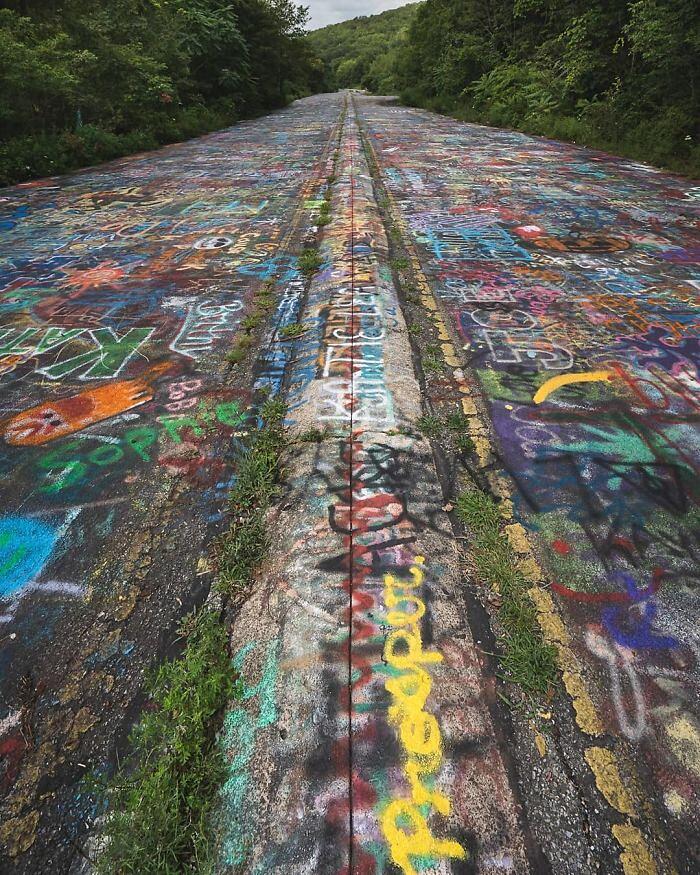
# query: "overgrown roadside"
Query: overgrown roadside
160,802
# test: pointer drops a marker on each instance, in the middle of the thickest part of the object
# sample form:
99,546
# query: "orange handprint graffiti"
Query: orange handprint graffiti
54,419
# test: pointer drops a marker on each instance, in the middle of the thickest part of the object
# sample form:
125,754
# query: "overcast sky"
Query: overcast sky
330,11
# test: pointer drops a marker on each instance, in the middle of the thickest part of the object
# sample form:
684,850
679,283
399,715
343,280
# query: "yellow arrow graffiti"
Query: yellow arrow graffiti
557,382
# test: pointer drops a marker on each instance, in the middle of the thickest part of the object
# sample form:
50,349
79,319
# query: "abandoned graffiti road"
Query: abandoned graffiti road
493,314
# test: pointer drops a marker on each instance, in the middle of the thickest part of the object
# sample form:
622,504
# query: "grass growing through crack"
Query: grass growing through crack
310,261
432,363
526,659
414,329
430,425
246,543
160,808
240,350
400,263
312,436
295,329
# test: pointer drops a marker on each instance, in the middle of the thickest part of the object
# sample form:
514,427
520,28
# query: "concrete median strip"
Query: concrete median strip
363,738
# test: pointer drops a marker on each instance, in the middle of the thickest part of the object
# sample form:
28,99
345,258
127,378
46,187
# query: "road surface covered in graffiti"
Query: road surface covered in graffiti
121,289
372,730
569,281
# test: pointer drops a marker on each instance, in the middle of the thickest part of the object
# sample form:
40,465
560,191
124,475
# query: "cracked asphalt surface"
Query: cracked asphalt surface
545,294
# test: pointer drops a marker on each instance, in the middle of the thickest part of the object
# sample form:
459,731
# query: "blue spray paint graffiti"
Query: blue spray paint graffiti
25,546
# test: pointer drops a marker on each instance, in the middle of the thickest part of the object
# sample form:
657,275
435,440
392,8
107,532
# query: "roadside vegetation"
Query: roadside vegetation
362,53
619,75
86,82
525,658
161,801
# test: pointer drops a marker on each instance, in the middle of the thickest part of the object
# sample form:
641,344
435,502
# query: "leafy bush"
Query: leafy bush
622,75
86,82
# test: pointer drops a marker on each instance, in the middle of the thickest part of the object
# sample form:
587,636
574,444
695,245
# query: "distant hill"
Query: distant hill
362,53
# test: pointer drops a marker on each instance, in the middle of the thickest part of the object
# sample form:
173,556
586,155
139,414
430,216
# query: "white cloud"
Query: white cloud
325,12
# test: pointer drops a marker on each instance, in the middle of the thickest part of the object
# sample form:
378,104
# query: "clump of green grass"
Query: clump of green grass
400,263
456,421
245,544
252,321
264,298
430,425
526,659
160,803
432,364
240,349
464,443
414,329
310,261
296,329
312,436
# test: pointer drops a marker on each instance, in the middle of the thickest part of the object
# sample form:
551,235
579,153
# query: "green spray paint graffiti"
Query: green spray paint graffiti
238,737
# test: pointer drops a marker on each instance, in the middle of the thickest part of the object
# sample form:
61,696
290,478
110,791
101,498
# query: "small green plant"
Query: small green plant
430,425
464,443
400,263
526,659
251,321
265,298
312,436
296,329
240,350
414,329
432,364
310,261
456,421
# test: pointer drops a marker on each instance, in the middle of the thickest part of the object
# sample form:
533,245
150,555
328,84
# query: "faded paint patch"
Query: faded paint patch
635,857
608,780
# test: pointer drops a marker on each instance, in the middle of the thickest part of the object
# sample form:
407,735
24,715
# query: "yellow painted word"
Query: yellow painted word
403,824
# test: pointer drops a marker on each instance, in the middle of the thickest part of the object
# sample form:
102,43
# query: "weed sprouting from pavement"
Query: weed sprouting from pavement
400,263
526,659
246,543
296,329
464,443
312,436
310,261
432,364
240,349
429,425
159,809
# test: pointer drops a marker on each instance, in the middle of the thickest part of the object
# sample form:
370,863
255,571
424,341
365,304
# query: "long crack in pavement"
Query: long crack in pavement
544,292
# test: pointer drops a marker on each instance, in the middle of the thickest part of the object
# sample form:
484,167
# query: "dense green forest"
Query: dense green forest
363,52
622,75
81,81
